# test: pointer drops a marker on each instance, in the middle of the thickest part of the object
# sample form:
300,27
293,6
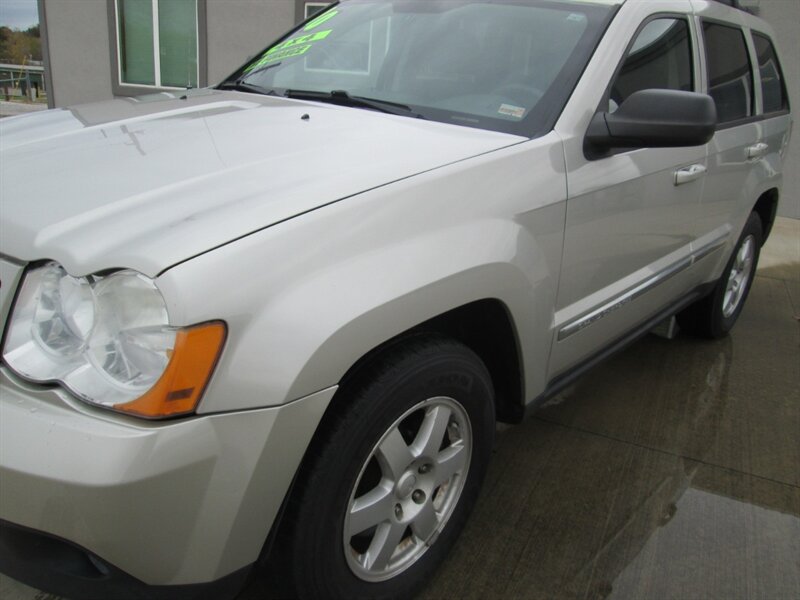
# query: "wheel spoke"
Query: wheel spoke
426,522
369,510
394,455
749,248
387,537
739,277
431,432
449,462
745,257
748,265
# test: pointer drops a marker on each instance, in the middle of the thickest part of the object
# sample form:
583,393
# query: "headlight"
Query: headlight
108,340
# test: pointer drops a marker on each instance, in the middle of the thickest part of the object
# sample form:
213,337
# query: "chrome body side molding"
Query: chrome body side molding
632,294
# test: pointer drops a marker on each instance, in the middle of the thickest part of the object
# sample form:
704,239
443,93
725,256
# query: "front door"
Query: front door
632,216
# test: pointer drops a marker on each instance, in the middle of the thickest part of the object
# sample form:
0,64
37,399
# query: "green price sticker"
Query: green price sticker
320,20
298,45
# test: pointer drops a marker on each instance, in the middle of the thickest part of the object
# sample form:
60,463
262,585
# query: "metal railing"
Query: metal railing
25,80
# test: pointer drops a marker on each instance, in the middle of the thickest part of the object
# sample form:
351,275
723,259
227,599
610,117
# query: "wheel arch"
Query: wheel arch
767,207
487,328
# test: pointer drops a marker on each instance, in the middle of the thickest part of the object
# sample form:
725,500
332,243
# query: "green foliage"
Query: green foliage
17,47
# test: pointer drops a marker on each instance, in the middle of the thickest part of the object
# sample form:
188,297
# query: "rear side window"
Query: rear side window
730,75
660,58
772,86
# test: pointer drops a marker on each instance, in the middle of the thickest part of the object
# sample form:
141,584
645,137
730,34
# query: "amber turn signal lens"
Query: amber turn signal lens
180,388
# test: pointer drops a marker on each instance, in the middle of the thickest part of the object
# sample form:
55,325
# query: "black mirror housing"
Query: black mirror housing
655,119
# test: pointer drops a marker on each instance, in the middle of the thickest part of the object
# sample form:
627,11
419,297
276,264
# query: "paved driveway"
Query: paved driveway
10,109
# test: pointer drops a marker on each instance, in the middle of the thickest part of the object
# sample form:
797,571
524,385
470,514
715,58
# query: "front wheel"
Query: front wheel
393,475
715,315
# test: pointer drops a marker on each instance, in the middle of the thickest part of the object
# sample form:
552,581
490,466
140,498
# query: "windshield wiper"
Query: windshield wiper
343,98
246,87
240,85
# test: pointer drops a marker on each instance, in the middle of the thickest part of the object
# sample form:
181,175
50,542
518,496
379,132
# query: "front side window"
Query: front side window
502,65
660,58
730,75
773,89
157,42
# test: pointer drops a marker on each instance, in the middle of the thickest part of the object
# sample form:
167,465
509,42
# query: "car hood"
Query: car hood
149,182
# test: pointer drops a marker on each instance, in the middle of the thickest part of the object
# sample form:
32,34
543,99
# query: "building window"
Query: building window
353,51
312,8
157,43
773,89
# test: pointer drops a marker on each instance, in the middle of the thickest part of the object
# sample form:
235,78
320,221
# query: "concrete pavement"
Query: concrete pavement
11,109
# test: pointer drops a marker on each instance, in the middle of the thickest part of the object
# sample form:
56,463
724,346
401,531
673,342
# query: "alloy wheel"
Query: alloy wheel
739,276
407,489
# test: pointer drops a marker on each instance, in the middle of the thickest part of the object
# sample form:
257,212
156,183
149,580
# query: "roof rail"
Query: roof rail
737,4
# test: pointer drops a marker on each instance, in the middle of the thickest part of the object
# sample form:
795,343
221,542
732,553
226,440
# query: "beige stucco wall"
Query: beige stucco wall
78,46
78,40
238,29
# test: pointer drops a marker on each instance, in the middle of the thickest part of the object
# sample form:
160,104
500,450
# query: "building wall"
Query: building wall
784,16
79,42
238,29
78,48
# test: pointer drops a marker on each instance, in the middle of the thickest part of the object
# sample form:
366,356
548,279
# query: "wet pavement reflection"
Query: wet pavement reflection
671,471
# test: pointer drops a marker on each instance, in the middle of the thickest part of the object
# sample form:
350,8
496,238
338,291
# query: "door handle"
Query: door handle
757,150
688,174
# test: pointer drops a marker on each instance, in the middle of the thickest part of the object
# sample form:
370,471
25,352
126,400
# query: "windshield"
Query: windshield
503,65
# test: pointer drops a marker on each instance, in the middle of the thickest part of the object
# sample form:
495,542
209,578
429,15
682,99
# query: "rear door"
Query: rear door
773,105
738,145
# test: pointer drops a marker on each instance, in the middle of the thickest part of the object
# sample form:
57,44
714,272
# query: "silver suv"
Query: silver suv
277,320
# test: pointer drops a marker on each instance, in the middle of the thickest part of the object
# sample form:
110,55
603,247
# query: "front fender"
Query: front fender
305,299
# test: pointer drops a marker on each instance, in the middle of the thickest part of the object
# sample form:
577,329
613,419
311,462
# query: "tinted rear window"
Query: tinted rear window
730,76
773,89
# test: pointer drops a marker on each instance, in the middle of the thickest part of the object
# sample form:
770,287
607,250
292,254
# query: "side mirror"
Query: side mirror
655,119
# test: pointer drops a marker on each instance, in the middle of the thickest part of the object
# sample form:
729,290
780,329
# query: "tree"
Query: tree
5,38
16,47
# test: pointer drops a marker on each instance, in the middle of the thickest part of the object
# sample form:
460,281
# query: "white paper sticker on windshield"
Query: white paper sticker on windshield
510,110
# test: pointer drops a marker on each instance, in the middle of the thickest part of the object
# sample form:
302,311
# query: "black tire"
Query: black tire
312,548
715,315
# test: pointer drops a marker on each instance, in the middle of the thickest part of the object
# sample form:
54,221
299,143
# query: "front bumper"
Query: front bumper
174,503
57,566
